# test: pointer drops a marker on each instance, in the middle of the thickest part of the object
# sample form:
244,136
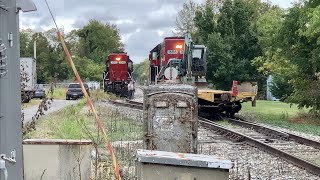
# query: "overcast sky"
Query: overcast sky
142,23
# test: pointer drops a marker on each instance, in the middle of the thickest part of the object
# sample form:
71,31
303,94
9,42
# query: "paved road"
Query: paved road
55,106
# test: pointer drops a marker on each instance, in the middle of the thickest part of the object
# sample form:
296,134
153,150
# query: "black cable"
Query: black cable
52,15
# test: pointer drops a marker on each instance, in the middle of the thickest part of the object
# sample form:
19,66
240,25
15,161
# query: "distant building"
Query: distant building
93,85
270,97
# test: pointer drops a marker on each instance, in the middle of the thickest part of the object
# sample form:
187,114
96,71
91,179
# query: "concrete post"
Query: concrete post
10,92
10,97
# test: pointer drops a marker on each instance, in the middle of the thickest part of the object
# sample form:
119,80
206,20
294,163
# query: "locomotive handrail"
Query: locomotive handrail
105,75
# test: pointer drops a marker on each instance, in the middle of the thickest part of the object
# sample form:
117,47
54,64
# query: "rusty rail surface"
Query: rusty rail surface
129,104
313,168
275,133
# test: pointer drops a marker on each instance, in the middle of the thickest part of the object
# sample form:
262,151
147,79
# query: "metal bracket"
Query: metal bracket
10,39
26,5
12,159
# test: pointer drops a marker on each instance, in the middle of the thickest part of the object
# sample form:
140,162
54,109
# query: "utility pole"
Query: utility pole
11,159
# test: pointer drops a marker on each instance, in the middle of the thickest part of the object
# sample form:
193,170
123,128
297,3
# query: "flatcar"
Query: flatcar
118,73
178,60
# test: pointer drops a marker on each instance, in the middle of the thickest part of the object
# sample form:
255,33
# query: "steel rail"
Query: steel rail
129,104
270,132
312,168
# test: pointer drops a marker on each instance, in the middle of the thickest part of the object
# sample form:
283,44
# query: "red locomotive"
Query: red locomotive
170,60
118,73
171,48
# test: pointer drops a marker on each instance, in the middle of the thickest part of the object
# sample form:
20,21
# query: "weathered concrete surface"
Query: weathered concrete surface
158,165
170,118
57,159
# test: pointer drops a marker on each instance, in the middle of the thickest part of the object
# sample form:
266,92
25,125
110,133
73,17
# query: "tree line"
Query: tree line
89,47
251,39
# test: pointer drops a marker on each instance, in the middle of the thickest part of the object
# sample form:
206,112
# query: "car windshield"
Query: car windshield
74,85
77,85
39,87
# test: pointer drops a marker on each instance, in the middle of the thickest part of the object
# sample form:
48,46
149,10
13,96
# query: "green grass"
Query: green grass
59,93
75,122
62,124
282,115
271,107
32,102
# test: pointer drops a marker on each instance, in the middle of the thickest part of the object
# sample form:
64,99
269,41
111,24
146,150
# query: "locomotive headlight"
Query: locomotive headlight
179,46
118,59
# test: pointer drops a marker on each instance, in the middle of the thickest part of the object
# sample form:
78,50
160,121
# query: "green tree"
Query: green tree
272,61
42,57
220,62
299,36
89,47
280,87
184,21
231,39
141,71
25,38
97,40
291,50
205,24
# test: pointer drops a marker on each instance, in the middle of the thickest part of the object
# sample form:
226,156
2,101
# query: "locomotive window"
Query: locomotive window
182,104
161,104
197,53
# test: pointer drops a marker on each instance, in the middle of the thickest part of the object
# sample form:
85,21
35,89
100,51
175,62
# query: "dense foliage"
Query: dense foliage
141,71
89,48
230,35
251,39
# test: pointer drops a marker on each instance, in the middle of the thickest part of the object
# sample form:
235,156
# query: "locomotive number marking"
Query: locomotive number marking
122,62
172,52
114,62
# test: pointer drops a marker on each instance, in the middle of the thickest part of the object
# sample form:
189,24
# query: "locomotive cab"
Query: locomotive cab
199,64
118,73
167,54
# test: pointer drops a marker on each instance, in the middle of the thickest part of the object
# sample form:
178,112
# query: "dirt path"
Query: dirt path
55,106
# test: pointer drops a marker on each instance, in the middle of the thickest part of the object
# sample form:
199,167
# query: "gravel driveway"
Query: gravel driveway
55,106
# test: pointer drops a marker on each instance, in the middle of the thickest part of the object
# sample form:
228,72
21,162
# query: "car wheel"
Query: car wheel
67,98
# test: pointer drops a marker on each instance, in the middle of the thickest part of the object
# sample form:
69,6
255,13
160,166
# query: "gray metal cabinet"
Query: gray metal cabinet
171,118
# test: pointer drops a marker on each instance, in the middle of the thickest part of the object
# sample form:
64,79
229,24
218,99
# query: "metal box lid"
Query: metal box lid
192,90
182,159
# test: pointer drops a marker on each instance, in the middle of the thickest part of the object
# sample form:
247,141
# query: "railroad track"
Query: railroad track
282,145
128,103
300,151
